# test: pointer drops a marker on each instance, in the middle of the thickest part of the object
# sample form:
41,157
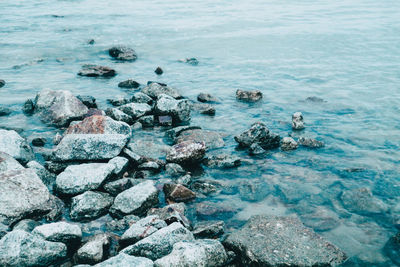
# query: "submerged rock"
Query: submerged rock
94,250
288,143
148,149
254,190
5,111
362,201
203,108
249,96
192,61
297,121
186,152
174,170
59,232
211,139
258,134
209,229
123,259
142,229
154,90
130,83
179,110
281,241
222,161
90,205
15,146
97,71
178,192
311,143
172,213
39,141
28,107
123,53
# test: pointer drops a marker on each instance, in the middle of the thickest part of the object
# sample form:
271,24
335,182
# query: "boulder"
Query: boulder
59,232
94,250
135,110
123,259
148,149
203,97
186,152
179,110
206,252
122,53
209,229
130,83
248,96
8,163
160,243
154,90
288,143
297,121
118,115
211,139
139,97
362,201
281,241
90,205
136,200
121,165
15,146
76,179
142,229
174,170
222,161
99,125
178,192
120,185
19,248
47,177
258,134
22,195
97,71
310,142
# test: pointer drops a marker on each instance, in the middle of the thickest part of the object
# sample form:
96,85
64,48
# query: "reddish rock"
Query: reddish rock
99,125
178,193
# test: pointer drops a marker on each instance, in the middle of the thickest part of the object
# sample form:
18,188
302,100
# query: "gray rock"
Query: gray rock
203,108
123,259
176,131
22,195
16,146
95,250
209,229
160,243
208,209
130,83
8,163
178,192
140,97
147,121
122,53
118,115
19,248
172,213
87,100
136,200
203,97
90,205
97,71
120,185
222,161
179,110
205,253
47,177
59,232
192,61
3,230
89,147
26,225
148,149
186,152
249,96
211,139
5,111
310,142
118,101
258,134
256,150
135,110
77,179
120,164
362,201
142,229
57,211
174,170
279,241
150,166
288,143
154,90
98,124
297,121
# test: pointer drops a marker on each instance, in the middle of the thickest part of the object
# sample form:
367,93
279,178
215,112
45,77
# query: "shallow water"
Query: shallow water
346,52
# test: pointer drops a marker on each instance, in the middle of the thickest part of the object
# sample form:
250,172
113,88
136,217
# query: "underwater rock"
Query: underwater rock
209,229
310,142
97,71
362,201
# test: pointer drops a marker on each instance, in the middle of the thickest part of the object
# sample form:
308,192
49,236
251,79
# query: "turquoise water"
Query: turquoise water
346,52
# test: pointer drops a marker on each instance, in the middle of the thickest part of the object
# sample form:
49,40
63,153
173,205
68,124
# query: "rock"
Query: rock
5,111
297,121
178,193
76,179
314,99
142,229
150,166
186,152
122,53
97,71
19,248
159,71
208,209
165,120
118,101
160,243
205,187
150,82
3,230
8,163
99,125
118,115
211,139
123,259
135,110
59,232
279,241
192,61
222,161
47,178
288,143
249,96
139,97
392,248
362,201
172,213
129,84
258,134
120,185
154,90
90,205
203,108
179,110
95,250
57,167
58,108
174,170
147,121
311,143
2,83
22,195
39,141
28,107
256,150
26,225
120,164
176,131
136,200
209,229
254,190
16,146
87,100
202,97
91,42
57,211
75,147
148,149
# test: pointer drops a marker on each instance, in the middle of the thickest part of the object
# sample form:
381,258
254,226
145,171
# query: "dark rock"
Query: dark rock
150,166
121,225
97,71
192,61
172,213
179,110
90,205
249,96
315,99
255,150
150,82
211,139
258,134
186,152
56,167
28,107
202,97
147,121
392,248
118,101
209,229
39,141
59,232
5,111
57,211
142,229
118,115
122,53
222,161
205,109
120,185
91,42
129,84
362,201
297,121
2,83
139,97
154,90
178,193
88,101
15,146
288,143
94,250
309,142
279,241
205,187
123,259
159,71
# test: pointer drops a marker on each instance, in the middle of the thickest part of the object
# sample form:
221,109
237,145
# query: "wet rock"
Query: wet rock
208,209
288,143
135,110
123,259
297,121
279,241
192,61
142,229
97,71
179,110
57,167
59,232
118,101
186,152
39,141
362,201
16,146
315,99
172,213
94,250
254,190
161,242
99,125
203,97
178,193
120,185
8,163
136,200
174,170
176,131
2,83
203,108
320,221
5,111
159,71
87,100
130,83
392,248
204,252
211,139
122,53
57,211
148,149
311,143
150,166
22,195
256,150
258,134
147,121
209,229
3,230
28,107
121,165
26,225
249,96
121,225
139,97
222,161
75,147
19,248
77,179
205,187
91,42
47,177
118,115
90,205
154,90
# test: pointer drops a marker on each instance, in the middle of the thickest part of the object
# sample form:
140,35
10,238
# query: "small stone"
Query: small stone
315,99
178,193
186,152
192,61
256,150
159,71
118,101
129,84
88,101
5,111
91,42
59,232
258,134
90,205
39,141
205,109
142,229
97,71
122,53
209,229
154,90
203,97
150,166
179,110
297,121
249,96
2,83
288,143
311,143
94,250
120,185
172,213
28,107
